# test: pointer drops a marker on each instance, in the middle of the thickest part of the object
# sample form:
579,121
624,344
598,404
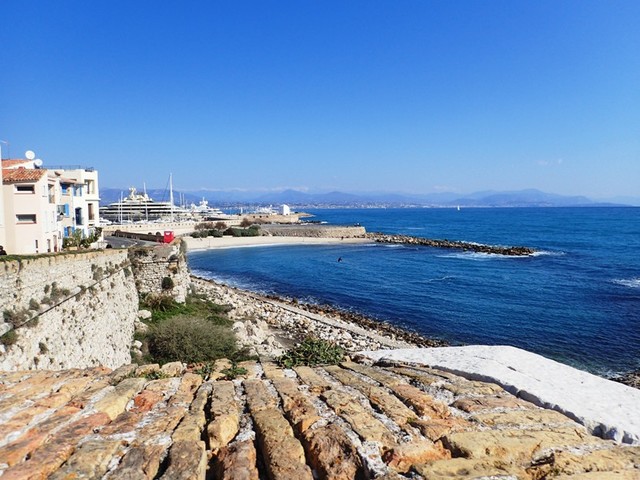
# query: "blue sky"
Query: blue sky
411,96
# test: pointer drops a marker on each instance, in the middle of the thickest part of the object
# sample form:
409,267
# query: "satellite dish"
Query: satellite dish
37,162
30,154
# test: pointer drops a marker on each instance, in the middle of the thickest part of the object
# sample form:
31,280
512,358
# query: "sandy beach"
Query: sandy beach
235,242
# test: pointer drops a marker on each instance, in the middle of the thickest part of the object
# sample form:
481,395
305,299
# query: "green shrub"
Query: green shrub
9,338
312,351
252,231
167,283
191,340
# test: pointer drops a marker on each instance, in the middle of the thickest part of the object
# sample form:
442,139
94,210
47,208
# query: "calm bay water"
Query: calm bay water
578,301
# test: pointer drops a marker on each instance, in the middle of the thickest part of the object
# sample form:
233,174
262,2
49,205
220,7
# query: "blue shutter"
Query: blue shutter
66,209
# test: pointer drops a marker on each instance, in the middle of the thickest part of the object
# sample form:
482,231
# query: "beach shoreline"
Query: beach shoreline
212,243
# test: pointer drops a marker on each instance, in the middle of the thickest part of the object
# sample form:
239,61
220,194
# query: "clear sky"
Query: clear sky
413,96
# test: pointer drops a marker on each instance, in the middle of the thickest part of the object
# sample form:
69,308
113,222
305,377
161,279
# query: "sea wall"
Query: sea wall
326,231
71,310
161,269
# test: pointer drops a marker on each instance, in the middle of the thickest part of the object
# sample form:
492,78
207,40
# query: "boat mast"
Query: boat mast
146,204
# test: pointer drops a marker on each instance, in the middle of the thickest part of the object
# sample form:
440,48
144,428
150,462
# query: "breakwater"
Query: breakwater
451,244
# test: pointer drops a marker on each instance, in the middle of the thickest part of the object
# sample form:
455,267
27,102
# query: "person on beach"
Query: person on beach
339,259
2,250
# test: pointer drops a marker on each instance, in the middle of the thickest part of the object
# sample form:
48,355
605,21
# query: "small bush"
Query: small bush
312,351
167,283
161,303
34,305
190,340
9,338
246,222
43,347
16,317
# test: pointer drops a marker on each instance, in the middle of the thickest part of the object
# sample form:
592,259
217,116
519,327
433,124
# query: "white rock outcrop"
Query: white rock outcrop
608,409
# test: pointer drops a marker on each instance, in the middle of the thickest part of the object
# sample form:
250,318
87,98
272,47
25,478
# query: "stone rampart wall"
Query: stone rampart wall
67,311
325,231
151,265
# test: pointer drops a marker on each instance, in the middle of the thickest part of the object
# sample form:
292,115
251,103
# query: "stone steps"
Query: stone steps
349,421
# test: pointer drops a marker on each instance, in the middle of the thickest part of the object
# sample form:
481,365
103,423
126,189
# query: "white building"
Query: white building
30,209
285,210
41,207
79,200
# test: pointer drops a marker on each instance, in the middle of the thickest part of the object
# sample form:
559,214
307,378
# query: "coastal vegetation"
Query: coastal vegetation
191,332
311,352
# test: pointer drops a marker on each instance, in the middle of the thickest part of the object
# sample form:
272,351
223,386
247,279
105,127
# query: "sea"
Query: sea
577,300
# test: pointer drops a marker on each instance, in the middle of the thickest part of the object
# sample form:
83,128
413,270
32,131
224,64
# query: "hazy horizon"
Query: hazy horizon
411,97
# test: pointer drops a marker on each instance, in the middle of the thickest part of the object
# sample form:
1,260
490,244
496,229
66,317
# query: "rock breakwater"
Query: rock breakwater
450,244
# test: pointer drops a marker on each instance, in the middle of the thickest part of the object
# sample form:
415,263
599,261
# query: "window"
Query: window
65,188
52,194
26,218
25,189
78,190
91,213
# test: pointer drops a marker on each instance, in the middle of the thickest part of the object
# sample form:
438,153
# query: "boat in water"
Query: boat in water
140,207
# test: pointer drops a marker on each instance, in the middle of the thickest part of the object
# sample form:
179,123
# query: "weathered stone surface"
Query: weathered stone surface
331,453
479,404
403,457
297,406
258,397
282,452
316,383
271,370
435,428
237,462
139,463
422,402
606,460
144,370
363,422
515,445
46,459
378,374
463,468
225,413
145,401
615,475
173,369
605,407
538,416
114,402
192,424
187,461
90,460
389,404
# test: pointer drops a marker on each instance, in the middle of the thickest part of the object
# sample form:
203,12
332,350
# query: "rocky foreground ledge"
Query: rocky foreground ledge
349,421
450,244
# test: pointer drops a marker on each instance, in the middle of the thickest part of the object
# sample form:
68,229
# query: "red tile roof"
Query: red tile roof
15,175
14,162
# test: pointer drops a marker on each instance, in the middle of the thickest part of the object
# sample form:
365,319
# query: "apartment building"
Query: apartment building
42,206
30,198
79,200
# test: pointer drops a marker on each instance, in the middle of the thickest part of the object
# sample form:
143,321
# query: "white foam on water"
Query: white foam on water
629,282
547,253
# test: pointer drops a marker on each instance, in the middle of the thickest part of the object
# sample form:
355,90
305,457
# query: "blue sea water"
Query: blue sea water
577,301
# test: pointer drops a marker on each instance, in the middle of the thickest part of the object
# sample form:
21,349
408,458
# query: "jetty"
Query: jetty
451,244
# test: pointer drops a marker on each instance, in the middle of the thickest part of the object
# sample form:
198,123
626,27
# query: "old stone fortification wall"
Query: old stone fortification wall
67,311
153,264
327,231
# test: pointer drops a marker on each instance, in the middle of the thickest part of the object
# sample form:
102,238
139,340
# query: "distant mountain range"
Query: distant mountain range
520,198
